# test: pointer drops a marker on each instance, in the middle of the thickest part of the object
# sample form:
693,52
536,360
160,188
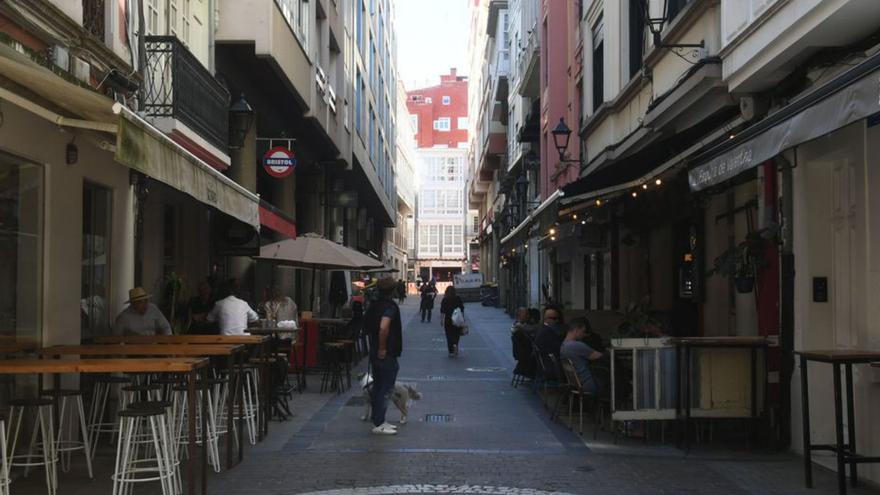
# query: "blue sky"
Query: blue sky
432,37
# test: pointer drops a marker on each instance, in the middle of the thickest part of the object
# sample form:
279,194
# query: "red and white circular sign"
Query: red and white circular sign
279,162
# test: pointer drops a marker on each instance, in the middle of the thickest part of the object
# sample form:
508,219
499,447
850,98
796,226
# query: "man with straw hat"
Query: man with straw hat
141,317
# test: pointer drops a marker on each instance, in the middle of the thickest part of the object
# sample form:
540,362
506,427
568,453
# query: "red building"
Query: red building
441,112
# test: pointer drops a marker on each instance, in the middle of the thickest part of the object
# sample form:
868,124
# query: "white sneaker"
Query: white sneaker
385,429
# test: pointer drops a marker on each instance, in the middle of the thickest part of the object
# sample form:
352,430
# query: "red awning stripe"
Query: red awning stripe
270,219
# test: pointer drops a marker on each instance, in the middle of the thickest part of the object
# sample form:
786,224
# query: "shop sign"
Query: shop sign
467,280
279,162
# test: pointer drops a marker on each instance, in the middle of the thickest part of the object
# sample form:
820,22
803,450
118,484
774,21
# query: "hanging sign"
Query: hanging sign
279,162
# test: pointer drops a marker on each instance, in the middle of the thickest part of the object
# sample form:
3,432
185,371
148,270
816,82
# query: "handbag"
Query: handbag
458,318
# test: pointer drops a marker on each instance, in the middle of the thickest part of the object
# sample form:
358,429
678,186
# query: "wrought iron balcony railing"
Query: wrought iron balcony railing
177,85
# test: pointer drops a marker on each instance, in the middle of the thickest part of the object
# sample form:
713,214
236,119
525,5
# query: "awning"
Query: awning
139,145
646,165
144,148
542,214
276,220
847,98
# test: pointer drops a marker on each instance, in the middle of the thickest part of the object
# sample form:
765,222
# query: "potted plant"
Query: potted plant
742,262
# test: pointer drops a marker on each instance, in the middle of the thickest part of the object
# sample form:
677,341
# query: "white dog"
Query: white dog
402,396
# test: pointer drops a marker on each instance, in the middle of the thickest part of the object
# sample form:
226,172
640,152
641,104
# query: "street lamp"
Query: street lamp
241,116
656,24
561,137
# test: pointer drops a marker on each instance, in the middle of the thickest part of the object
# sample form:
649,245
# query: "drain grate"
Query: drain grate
438,418
487,369
437,378
585,469
356,400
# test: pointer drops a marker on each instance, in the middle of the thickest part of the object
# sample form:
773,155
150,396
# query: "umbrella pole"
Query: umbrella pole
313,290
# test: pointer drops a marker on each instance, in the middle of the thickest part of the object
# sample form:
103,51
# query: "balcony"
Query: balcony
528,63
177,86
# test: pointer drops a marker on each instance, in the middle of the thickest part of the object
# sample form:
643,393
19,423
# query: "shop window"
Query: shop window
598,63
94,309
21,248
636,36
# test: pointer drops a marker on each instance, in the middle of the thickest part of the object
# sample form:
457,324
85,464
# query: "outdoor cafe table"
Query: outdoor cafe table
845,449
686,344
260,343
232,353
188,366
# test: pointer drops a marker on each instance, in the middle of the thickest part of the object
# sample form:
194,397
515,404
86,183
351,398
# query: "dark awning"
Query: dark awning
847,98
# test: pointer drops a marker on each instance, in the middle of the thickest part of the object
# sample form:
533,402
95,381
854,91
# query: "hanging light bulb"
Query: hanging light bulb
574,216
598,202
583,222
552,231
552,238
645,187
658,182
635,194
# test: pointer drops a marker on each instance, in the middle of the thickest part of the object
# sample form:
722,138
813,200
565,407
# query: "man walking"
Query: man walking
428,292
383,325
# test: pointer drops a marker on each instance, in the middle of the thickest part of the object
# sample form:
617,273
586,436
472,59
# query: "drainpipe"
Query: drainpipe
786,301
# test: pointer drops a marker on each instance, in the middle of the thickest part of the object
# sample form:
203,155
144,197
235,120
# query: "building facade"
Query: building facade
440,117
156,178
400,238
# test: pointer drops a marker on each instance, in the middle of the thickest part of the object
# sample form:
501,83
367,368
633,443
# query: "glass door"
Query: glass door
96,221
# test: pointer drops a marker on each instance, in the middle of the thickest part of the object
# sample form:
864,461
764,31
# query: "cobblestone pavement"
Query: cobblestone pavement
499,442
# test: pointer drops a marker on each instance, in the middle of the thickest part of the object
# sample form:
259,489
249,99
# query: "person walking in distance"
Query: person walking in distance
428,293
448,305
385,330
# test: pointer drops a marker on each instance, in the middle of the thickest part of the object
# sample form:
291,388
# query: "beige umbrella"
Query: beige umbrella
315,252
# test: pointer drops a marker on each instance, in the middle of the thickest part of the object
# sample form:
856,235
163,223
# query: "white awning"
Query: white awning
533,216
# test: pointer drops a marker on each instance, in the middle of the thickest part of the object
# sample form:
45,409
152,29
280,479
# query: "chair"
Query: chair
547,374
143,452
40,410
525,362
576,390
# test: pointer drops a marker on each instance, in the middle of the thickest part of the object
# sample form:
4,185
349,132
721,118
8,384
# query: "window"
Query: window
598,64
429,240
463,123
447,100
414,120
453,240
636,36
358,103
673,8
428,100
296,14
96,215
21,241
152,17
442,124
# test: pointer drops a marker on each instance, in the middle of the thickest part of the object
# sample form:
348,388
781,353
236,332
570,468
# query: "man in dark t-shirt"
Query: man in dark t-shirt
383,325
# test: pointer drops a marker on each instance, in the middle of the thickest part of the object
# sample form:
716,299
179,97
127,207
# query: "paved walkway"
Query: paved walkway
499,439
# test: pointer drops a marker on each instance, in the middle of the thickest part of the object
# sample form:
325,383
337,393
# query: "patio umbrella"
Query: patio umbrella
315,252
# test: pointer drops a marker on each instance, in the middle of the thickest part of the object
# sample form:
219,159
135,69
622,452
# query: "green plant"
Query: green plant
745,259
174,294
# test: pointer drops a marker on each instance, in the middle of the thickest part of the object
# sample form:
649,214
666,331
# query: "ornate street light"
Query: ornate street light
656,25
561,137
241,117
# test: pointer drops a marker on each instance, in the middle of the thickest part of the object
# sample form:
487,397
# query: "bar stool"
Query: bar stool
41,410
67,423
168,414
139,393
100,419
4,466
251,401
142,451
181,418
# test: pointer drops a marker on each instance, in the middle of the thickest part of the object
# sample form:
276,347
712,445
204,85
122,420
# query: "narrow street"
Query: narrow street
499,439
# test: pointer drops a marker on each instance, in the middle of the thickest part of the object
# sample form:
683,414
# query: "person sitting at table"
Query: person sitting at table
197,310
549,335
279,307
580,354
230,313
141,317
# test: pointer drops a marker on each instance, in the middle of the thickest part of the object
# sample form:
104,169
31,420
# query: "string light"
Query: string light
552,231
598,202
645,187
635,194
583,222
658,182
574,216
552,238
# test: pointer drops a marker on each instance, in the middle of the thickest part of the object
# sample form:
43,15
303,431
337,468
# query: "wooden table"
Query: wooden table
845,449
188,366
687,343
232,353
259,342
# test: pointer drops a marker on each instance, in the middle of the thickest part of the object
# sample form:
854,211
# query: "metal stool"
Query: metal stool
67,424
139,393
100,418
41,411
181,418
142,452
334,368
170,421
4,466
